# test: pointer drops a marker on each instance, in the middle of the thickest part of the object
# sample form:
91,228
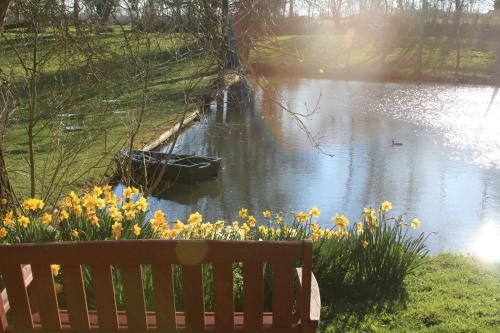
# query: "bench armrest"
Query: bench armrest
315,309
28,277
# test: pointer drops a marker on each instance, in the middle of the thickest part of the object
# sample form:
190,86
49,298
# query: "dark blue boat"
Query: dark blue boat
174,168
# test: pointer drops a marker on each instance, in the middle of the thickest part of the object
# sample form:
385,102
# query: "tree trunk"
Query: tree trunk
458,15
76,10
6,191
421,38
4,5
290,13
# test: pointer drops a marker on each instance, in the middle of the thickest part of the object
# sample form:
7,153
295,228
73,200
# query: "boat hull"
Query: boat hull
161,168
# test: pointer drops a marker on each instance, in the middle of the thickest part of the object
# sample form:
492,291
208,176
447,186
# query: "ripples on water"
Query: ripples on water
467,118
447,172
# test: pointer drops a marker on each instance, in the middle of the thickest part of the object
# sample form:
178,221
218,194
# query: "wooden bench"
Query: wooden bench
30,301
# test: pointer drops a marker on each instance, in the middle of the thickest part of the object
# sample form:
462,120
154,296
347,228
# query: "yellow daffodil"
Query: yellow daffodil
130,215
8,220
263,230
136,230
314,212
128,193
63,215
100,203
195,218
359,228
279,218
3,233
107,188
46,219
386,206
302,217
341,221
75,234
33,204
266,214
252,221
415,223
235,225
94,220
55,269
77,210
97,191
23,221
243,213
75,200
142,204
315,227
365,244
245,228
116,230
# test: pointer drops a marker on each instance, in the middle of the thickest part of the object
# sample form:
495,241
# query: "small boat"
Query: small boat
174,168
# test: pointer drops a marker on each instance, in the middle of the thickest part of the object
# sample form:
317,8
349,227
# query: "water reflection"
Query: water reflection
447,172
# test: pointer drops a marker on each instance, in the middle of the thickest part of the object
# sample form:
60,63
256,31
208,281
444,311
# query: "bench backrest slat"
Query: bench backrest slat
194,302
134,297
104,294
43,282
76,299
164,297
253,295
282,283
223,296
18,296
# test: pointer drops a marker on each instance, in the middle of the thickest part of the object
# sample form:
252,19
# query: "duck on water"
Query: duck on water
396,143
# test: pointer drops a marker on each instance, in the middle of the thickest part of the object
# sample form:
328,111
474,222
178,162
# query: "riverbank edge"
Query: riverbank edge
364,74
448,292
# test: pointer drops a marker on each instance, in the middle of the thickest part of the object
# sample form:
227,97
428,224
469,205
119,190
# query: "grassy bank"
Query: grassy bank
102,83
448,293
365,56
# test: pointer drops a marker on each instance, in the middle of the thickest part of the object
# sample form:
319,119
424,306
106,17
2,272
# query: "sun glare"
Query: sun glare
487,242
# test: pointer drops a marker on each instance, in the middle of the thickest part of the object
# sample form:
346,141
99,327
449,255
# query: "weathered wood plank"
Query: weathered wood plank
43,282
194,307
18,297
28,277
282,294
3,314
163,290
144,252
134,297
76,299
223,296
253,295
165,136
104,294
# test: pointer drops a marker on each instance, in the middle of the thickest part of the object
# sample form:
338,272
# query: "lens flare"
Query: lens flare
487,242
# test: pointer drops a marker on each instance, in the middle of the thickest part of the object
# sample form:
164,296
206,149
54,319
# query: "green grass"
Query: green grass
75,80
328,51
448,293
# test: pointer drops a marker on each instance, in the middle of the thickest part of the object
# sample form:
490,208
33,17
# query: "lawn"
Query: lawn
102,82
448,293
323,52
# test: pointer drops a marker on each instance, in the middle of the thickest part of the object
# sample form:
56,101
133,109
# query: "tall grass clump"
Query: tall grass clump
371,261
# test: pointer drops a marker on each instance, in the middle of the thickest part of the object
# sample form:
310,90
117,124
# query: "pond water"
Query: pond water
447,172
